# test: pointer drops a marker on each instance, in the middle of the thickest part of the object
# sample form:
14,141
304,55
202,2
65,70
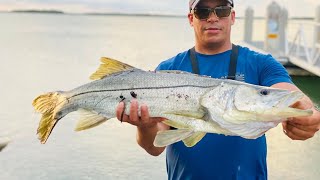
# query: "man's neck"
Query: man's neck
214,48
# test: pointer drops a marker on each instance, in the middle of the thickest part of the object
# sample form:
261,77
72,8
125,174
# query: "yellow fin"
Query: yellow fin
165,138
194,139
89,119
48,104
175,124
109,66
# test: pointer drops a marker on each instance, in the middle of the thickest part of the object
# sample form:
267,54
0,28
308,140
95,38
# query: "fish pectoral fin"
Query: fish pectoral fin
192,114
89,119
180,121
186,130
165,138
175,124
109,66
194,139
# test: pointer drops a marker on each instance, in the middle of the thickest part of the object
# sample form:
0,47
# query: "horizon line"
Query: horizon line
54,11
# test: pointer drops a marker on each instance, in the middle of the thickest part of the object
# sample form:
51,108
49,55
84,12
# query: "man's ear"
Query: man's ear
233,17
190,18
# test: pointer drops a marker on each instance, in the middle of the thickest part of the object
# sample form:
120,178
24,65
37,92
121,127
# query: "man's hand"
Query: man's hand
142,122
302,128
147,127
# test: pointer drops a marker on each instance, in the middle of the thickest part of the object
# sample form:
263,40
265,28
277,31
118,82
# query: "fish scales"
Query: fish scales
176,91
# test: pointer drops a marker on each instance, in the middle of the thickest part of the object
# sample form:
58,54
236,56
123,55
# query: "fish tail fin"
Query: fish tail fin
48,105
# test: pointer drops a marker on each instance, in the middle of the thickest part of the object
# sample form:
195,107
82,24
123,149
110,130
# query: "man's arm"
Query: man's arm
300,128
147,127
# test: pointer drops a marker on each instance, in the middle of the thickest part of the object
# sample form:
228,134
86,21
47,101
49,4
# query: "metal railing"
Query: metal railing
301,53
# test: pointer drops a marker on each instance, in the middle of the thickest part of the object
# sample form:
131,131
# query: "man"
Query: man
219,156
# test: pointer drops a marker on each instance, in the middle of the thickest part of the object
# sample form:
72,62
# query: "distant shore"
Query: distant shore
38,11
120,14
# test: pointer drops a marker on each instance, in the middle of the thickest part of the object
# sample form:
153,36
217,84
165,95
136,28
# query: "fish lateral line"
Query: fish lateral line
140,88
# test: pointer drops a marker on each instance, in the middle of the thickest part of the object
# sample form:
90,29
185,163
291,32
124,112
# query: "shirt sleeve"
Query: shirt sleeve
272,72
165,65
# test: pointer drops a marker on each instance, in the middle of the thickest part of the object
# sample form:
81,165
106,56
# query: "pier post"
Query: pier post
275,39
248,24
316,46
283,46
317,27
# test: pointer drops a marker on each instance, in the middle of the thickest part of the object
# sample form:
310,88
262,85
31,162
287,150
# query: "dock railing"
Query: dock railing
302,53
292,51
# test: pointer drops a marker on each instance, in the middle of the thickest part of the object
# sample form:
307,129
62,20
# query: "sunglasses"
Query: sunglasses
220,12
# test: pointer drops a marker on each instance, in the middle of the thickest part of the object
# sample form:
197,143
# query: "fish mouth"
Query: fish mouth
289,99
283,107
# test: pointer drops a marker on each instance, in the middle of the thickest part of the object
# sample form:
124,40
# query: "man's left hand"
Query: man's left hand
302,128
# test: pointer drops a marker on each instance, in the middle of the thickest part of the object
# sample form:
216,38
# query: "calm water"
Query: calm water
41,53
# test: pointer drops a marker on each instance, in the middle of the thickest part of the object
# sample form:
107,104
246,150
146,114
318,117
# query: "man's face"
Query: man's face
213,30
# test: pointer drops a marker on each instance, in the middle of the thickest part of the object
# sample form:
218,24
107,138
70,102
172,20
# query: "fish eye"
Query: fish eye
264,92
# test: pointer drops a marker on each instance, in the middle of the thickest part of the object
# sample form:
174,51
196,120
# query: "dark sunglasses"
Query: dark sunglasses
220,12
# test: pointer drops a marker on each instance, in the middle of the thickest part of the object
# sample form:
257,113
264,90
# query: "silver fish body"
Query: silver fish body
160,91
193,104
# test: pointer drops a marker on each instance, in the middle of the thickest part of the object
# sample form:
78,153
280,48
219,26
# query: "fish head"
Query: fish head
268,102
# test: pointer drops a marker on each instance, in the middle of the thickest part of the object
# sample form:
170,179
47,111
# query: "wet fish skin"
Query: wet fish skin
194,104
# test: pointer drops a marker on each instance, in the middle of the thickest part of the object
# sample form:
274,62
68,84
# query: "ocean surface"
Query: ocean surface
46,52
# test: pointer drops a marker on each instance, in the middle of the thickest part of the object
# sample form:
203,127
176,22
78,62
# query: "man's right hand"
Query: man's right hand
141,122
147,127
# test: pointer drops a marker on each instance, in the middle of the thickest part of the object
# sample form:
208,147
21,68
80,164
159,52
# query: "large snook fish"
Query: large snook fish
193,104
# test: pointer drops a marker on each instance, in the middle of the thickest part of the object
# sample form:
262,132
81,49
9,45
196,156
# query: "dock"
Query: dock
299,57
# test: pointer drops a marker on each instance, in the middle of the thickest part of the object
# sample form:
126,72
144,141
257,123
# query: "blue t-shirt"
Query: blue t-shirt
218,156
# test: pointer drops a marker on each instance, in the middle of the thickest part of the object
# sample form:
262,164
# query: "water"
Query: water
310,86
43,52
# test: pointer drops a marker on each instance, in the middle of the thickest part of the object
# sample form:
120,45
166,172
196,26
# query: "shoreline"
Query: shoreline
59,12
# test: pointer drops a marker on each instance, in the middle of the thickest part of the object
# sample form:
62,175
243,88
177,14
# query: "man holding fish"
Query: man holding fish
212,125
219,156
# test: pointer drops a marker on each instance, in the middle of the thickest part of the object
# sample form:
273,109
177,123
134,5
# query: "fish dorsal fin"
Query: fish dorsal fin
109,66
89,119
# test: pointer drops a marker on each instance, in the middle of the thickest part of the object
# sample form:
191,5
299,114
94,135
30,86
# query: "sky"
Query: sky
296,8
